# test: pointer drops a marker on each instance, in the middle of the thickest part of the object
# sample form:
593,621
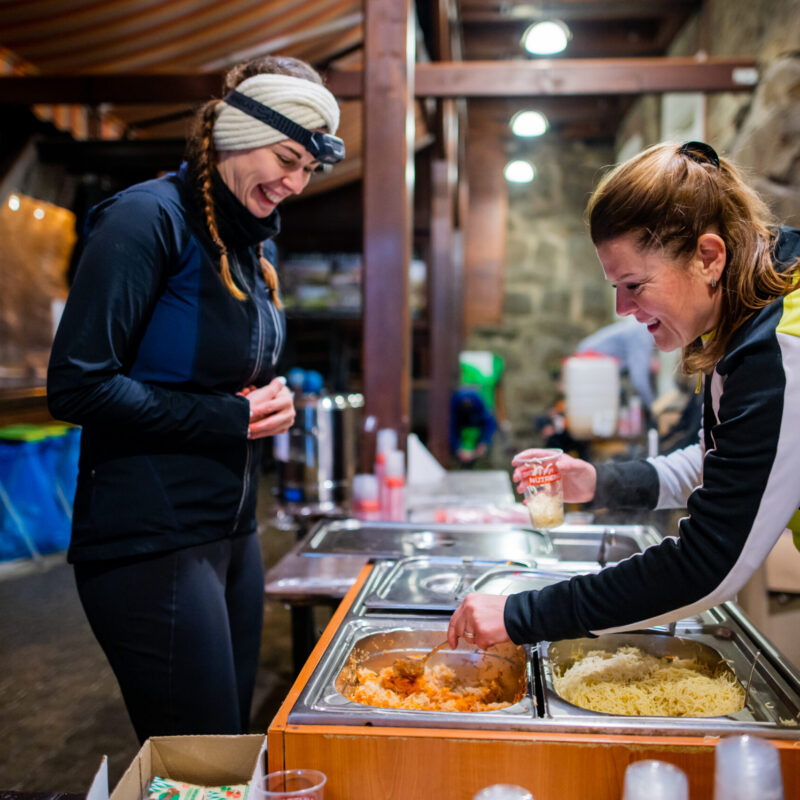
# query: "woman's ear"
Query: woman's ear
712,254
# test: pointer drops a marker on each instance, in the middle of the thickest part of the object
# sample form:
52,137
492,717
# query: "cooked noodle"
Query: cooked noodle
634,683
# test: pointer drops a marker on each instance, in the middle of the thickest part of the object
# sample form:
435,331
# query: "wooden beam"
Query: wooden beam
583,76
122,89
388,215
447,79
501,10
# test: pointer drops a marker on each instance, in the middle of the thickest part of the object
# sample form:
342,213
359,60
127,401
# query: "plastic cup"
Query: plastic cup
503,791
655,780
544,495
747,767
293,784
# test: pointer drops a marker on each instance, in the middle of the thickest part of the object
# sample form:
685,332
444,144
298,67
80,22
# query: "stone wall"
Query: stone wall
555,291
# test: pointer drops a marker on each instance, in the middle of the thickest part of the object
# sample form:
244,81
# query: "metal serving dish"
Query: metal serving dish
435,583
376,641
569,548
770,700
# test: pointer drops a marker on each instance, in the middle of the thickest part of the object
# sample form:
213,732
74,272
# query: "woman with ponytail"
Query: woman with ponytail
693,254
166,356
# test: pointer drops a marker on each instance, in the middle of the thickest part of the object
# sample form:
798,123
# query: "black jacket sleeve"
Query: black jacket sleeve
122,271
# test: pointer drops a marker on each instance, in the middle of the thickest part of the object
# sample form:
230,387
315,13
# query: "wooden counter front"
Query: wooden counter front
379,763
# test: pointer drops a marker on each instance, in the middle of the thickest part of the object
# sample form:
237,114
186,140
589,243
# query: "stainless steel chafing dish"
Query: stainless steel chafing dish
569,548
397,613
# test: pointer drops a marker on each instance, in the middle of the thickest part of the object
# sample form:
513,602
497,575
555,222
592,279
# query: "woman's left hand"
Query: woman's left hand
271,409
482,616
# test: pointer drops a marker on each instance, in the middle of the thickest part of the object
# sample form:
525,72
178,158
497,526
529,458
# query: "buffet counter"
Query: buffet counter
400,605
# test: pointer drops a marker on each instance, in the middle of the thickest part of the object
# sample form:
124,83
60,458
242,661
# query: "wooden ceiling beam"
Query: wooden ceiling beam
566,10
556,77
583,76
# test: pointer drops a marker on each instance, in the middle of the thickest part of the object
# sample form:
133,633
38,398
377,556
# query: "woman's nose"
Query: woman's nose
296,180
624,306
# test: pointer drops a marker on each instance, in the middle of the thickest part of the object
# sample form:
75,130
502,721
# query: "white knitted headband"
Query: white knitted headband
307,103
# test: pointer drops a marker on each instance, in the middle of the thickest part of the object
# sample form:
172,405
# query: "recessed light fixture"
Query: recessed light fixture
519,171
528,123
546,38
13,202
38,213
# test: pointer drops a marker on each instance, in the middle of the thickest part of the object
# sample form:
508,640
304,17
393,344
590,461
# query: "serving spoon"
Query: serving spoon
414,666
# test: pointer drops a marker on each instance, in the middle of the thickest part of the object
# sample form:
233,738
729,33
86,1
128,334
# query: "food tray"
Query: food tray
770,699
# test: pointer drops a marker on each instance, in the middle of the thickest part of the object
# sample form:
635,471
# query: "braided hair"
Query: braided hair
202,157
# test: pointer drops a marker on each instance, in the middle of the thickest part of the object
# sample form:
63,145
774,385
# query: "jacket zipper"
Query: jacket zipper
251,378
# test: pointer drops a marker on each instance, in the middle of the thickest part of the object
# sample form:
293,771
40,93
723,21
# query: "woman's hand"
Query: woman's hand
482,616
579,478
271,409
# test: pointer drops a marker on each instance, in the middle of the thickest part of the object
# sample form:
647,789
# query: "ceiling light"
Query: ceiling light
546,38
38,213
13,202
519,172
528,123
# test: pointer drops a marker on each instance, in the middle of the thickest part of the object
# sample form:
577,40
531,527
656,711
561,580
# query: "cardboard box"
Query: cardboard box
203,760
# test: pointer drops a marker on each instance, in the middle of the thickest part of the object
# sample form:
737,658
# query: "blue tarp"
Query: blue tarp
38,475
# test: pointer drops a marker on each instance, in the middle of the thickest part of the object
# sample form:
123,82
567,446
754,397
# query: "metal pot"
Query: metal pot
316,458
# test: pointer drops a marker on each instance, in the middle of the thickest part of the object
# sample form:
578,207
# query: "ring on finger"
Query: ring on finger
469,634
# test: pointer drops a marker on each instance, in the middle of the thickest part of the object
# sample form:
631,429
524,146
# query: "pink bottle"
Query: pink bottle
393,502
385,441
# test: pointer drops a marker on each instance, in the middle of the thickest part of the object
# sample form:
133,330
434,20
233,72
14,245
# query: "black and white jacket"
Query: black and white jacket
740,485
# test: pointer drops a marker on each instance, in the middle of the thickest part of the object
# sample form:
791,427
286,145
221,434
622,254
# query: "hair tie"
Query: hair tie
700,152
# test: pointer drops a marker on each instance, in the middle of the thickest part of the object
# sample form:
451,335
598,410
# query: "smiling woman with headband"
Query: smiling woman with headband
166,355
694,255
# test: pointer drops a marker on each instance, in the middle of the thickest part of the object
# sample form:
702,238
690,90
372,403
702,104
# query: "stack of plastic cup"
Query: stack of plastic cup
655,780
747,767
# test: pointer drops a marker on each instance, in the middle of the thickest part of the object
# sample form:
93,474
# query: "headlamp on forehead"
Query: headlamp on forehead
324,147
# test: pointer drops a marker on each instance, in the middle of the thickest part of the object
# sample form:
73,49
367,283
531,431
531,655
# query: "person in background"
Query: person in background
632,345
695,256
472,426
166,356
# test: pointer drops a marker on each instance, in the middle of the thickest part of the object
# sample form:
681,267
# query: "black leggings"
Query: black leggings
181,631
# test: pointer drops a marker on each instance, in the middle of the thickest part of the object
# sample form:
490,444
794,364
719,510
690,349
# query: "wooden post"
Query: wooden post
485,231
388,186
443,308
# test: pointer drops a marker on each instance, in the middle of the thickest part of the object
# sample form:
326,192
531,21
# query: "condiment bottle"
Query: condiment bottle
393,501
366,505
385,441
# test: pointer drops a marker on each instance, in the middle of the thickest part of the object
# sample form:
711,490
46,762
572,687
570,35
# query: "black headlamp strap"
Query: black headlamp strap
270,117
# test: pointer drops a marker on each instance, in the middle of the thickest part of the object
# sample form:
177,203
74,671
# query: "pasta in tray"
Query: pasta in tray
435,690
634,683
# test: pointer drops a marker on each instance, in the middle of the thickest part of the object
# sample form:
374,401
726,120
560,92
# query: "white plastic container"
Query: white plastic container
385,442
745,768
655,780
366,504
591,389
393,500
503,791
